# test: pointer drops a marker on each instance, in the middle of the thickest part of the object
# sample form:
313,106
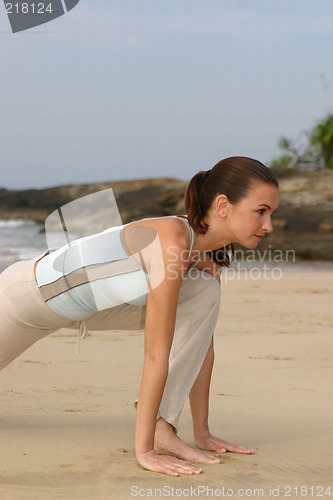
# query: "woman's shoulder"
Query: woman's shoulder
164,222
170,229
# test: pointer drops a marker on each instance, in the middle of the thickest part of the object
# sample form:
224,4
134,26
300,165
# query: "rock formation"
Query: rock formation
303,222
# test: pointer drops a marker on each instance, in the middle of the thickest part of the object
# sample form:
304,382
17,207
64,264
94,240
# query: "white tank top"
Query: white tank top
94,273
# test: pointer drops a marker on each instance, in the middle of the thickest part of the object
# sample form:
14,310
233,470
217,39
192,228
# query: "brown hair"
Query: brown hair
233,177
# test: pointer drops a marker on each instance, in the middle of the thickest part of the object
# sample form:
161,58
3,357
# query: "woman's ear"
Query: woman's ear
221,205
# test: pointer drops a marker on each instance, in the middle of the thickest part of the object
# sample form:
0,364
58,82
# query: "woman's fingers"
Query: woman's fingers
183,467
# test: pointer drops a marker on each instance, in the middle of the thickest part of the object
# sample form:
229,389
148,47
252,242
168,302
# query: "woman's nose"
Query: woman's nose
267,226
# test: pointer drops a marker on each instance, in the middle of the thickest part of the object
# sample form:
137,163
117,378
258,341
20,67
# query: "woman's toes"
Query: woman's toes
208,459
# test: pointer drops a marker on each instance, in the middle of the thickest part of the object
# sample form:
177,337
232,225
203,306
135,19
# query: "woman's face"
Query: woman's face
250,219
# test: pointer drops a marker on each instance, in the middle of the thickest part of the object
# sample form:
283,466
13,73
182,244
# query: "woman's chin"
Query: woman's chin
250,244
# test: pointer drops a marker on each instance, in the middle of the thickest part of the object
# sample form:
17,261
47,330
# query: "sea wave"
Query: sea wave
20,239
12,223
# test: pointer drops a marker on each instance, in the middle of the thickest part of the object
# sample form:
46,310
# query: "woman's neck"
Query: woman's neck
208,242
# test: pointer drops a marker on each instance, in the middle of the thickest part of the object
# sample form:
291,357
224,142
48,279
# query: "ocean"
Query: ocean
25,239
20,240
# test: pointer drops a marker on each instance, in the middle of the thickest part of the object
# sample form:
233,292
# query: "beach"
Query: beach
67,421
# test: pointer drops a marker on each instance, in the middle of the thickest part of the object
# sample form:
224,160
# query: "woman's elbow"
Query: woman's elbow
159,360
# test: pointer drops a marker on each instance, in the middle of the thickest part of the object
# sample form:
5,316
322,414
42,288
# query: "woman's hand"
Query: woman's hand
206,441
166,464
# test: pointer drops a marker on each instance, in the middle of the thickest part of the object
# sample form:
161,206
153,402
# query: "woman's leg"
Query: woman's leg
24,316
197,313
194,377
199,394
196,319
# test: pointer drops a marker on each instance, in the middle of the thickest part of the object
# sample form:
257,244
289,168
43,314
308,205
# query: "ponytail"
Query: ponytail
193,206
196,209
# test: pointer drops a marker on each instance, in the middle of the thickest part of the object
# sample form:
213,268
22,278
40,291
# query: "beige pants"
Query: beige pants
26,318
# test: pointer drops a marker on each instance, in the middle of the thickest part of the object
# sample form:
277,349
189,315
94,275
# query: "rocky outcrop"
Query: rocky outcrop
137,198
303,222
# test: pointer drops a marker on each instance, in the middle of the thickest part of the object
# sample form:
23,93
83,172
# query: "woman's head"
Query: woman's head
233,177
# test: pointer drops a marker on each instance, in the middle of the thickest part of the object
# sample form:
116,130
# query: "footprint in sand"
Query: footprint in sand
77,410
69,466
271,357
238,462
69,390
35,362
11,392
302,389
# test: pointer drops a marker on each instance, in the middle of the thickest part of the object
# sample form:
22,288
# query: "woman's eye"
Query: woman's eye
261,211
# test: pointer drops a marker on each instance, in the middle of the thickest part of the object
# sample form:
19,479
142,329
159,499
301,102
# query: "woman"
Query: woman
163,274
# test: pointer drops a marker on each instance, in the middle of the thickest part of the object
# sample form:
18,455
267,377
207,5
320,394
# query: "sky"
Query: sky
131,89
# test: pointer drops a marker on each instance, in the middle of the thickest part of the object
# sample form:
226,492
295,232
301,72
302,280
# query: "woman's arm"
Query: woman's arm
159,329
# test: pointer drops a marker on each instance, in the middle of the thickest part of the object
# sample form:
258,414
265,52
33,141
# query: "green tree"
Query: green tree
322,138
284,143
283,161
286,160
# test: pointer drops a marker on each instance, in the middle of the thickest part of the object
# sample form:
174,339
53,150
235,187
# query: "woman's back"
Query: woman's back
106,269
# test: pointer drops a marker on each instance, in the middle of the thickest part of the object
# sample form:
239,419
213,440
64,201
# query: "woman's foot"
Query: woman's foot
167,442
206,441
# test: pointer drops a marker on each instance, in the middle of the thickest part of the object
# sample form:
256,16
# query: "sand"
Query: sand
67,421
